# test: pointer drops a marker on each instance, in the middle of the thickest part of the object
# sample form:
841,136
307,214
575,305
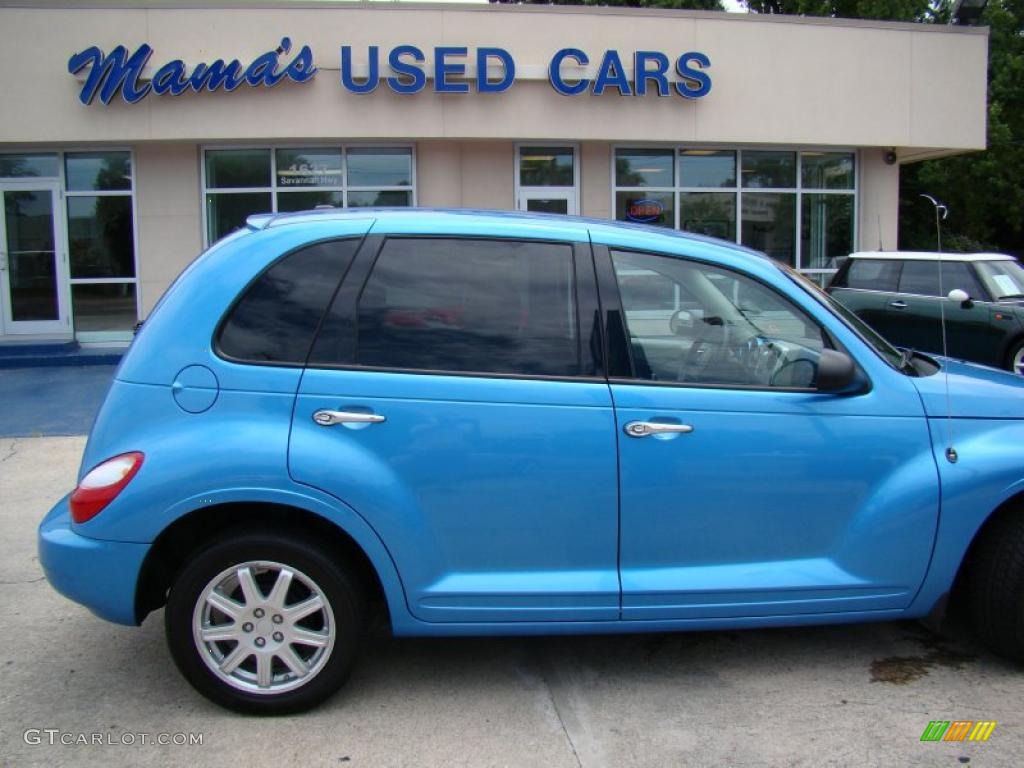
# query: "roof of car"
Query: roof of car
430,215
930,256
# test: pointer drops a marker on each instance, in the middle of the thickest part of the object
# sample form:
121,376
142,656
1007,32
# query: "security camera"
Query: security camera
890,157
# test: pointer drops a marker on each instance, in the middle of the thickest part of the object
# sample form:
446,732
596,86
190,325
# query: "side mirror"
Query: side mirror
961,297
681,322
836,371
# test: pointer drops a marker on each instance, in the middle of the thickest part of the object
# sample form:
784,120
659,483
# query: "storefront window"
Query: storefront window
241,182
707,168
101,243
826,229
769,224
20,166
766,170
644,168
708,213
762,198
546,167
645,207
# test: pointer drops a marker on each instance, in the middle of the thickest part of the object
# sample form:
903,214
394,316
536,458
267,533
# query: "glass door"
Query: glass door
547,179
33,285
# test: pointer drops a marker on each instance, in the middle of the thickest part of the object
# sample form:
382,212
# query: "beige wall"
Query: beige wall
476,174
879,199
169,205
775,79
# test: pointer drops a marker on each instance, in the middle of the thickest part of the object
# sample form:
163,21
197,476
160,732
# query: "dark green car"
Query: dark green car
903,296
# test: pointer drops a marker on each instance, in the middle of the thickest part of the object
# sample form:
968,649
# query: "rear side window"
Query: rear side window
486,306
275,319
871,275
922,278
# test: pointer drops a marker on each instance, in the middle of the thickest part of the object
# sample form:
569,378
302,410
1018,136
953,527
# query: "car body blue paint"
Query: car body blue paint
491,505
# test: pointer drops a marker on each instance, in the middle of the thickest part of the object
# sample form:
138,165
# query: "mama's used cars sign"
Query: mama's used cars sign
453,69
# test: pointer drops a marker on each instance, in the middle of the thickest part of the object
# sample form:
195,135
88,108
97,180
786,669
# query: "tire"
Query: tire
287,648
995,587
1015,357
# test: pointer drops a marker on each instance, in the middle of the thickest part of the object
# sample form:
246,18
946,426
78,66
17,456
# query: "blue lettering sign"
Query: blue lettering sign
442,69
118,72
508,64
555,72
695,83
418,80
349,82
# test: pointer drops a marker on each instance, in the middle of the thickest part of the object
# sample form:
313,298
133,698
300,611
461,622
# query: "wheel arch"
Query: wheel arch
190,531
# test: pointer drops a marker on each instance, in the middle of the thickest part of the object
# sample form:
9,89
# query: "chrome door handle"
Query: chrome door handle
898,304
645,428
326,418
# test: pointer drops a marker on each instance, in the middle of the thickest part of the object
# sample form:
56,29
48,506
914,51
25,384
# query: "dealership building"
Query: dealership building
136,134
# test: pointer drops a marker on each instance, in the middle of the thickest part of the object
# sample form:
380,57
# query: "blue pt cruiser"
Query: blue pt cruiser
492,423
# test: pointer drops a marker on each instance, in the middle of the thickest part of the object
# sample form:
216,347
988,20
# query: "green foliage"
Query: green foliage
690,5
983,190
890,10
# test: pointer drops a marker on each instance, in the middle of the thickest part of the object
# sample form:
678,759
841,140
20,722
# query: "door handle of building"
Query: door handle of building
898,304
327,418
647,428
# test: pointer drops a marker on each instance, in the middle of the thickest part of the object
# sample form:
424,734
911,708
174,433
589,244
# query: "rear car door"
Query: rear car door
745,492
455,400
867,286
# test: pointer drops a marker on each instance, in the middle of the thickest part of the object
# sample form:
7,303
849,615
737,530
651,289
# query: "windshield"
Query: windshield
887,351
1004,279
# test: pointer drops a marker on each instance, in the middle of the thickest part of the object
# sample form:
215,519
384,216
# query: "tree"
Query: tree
983,189
889,10
692,5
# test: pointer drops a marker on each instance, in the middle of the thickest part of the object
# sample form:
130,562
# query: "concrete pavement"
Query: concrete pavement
834,696
45,401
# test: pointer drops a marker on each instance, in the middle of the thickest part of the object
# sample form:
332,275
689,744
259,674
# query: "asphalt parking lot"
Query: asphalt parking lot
856,695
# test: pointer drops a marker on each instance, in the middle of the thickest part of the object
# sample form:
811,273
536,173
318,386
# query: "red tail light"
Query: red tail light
102,484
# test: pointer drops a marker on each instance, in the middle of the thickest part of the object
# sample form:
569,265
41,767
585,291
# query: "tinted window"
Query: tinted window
470,305
872,274
713,326
922,278
275,319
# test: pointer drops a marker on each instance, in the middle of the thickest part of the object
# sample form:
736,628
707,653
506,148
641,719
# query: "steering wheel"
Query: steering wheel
710,344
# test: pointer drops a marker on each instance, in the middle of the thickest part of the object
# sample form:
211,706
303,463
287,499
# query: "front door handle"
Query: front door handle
327,418
898,304
646,428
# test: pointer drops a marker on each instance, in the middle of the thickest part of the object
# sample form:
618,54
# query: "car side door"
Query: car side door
455,399
867,286
921,306
745,491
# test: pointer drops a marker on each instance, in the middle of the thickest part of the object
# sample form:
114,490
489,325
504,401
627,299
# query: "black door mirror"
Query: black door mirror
836,371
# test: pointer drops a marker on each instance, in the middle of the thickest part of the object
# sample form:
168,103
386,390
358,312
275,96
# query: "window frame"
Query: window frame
738,189
617,315
573,192
273,190
345,304
65,244
215,339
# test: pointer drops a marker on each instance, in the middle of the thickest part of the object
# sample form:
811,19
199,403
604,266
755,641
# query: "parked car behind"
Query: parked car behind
903,296
494,423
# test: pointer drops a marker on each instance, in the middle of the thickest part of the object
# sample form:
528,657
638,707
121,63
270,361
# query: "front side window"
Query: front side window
922,278
485,306
277,315
1004,279
241,182
700,324
799,207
